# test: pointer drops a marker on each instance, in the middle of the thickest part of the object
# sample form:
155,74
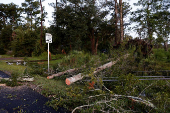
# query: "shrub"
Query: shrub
59,56
2,50
160,54
44,55
13,82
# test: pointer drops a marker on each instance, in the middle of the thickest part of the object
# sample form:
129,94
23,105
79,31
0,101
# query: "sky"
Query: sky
50,9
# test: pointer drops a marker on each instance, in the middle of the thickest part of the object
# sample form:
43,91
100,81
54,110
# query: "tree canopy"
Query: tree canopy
87,25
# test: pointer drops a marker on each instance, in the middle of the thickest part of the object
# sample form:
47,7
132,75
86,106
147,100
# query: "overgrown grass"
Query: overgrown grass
5,56
44,56
51,87
12,68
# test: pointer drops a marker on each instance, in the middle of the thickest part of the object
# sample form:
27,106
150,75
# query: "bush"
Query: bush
76,59
35,69
160,54
2,50
13,82
44,55
59,56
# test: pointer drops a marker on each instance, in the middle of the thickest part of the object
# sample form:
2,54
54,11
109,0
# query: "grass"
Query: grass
51,87
12,68
5,56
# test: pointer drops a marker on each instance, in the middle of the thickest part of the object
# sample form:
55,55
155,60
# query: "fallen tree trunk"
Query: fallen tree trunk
110,64
79,76
61,73
73,79
68,71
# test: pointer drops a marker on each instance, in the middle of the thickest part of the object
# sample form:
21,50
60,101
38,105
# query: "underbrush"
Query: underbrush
162,55
13,80
51,88
12,68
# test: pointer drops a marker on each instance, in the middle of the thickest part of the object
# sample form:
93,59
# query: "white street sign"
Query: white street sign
48,38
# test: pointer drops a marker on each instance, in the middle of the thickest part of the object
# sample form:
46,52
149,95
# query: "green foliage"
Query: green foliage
6,37
38,50
75,59
59,56
127,84
44,55
161,55
2,50
24,42
13,82
37,69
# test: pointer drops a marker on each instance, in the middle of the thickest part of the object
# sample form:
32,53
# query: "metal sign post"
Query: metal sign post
48,58
48,37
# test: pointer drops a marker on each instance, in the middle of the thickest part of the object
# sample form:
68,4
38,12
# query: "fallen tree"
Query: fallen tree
78,77
114,98
72,70
61,73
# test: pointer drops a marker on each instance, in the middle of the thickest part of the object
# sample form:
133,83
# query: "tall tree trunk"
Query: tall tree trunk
121,21
149,24
31,20
56,4
116,21
94,43
166,45
41,24
4,20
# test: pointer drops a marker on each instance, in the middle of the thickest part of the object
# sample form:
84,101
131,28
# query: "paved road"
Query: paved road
3,75
23,99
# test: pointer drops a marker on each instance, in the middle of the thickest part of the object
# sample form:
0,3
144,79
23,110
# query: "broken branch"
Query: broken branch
79,76
61,73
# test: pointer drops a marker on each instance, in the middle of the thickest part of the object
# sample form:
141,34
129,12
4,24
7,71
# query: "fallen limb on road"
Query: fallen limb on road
79,76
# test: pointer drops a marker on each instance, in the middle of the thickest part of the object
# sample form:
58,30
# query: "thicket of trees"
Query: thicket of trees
87,25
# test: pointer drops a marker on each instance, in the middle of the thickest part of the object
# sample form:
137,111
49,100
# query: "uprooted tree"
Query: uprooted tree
141,46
